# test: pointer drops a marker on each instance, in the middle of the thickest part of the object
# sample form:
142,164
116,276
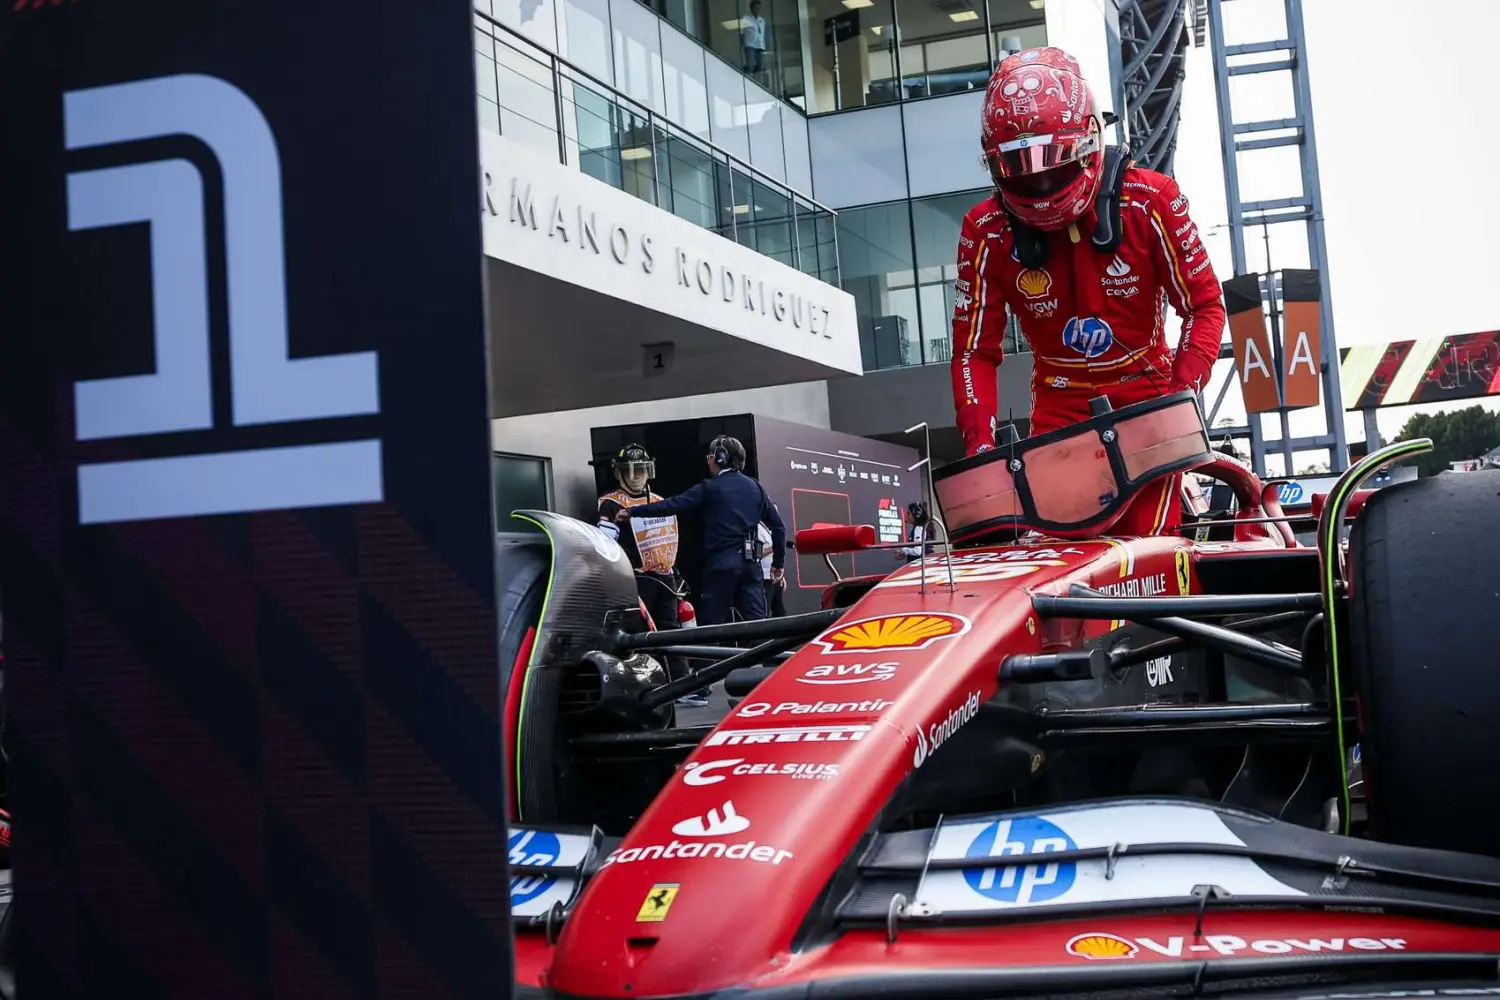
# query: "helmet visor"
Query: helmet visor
1038,153
634,469
1041,185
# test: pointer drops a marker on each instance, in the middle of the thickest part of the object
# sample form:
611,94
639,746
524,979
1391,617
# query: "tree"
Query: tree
1457,436
1319,469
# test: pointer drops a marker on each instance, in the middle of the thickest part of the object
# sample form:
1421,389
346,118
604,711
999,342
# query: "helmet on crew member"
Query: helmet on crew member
634,469
1042,139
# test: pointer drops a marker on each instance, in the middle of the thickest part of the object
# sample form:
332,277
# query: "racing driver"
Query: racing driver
1081,245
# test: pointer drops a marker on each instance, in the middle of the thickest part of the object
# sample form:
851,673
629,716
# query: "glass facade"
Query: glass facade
531,96
899,261
819,55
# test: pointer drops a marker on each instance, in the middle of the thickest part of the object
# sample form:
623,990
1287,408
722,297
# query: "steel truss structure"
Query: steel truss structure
1153,48
1277,56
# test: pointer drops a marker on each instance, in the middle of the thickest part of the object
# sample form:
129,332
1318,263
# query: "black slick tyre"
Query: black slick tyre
1425,598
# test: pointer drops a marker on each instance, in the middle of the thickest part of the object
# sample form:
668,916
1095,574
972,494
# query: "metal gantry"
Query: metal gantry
1253,218
1153,47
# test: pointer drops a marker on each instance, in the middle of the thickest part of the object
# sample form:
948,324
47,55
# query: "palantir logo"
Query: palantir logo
1021,884
267,385
537,848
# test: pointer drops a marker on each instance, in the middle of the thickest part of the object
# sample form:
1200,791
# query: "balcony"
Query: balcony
535,98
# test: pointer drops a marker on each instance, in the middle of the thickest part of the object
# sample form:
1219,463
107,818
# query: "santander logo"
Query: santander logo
940,732
720,822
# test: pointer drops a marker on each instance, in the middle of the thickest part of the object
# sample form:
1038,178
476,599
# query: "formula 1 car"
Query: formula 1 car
1040,760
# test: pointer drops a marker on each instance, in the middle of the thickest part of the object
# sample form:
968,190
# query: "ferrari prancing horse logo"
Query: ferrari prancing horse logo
1183,578
658,901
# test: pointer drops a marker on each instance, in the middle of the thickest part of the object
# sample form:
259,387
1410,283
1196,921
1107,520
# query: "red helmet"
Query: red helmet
1041,138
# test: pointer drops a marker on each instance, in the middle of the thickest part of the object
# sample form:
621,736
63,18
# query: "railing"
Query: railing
535,97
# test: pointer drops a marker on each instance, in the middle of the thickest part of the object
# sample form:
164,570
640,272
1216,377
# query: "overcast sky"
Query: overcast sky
1404,107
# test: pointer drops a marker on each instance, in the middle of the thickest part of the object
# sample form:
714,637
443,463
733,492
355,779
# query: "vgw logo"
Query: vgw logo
1021,884
267,385
532,847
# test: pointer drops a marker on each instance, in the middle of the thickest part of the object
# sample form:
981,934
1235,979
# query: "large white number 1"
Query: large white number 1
266,385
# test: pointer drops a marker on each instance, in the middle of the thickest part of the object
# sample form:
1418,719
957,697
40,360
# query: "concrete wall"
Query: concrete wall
564,437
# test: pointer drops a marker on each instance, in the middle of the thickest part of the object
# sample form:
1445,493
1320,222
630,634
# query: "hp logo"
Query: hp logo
1021,884
532,847
1290,493
1089,336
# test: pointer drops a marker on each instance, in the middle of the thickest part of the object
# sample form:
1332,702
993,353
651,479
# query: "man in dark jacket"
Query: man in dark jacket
730,504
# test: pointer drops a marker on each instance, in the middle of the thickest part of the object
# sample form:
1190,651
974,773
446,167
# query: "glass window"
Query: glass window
685,82
817,251
944,47
1016,25
519,483
852,46
771,223
688,185
875,258
484,75
637,43
935,227
735,222
528,100
587,33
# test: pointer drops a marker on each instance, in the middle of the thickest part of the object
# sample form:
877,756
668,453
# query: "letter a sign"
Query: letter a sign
246,541
1253,358
1302,350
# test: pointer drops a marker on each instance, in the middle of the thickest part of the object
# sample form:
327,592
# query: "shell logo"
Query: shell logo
1033,283
1101,946
892,632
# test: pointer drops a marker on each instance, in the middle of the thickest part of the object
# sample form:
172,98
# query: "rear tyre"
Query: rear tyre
1425,574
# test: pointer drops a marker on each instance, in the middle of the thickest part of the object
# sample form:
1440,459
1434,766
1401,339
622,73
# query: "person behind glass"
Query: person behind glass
916,514
753,38
775,589
730,505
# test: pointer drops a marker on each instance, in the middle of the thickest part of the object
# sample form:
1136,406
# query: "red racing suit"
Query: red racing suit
1095,321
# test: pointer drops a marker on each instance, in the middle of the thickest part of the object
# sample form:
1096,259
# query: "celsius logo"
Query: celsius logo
535,848
707,773
940,732
1021,884
848,673
719,822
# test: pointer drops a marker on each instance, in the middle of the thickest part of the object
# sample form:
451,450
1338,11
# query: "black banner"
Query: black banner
245,530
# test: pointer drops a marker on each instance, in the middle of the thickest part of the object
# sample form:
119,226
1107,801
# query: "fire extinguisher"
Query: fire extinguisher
686,616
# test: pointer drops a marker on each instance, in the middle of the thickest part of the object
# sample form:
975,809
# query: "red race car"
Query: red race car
1040,760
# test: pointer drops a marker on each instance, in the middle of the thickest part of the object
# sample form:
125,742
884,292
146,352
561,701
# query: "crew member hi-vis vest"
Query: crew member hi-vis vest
655,537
